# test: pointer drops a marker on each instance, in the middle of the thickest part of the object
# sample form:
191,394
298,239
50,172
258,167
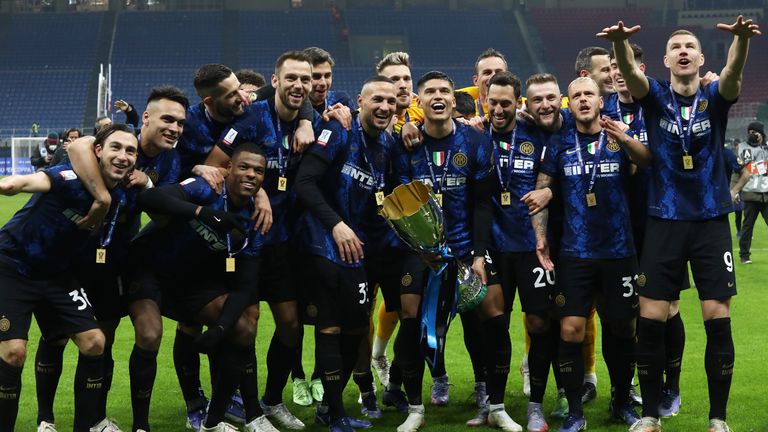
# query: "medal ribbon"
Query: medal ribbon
106,236
229,235
497,155
445,165
685,136
378,179
596,159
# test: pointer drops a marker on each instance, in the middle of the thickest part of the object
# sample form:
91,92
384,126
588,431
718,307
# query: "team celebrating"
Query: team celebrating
591,206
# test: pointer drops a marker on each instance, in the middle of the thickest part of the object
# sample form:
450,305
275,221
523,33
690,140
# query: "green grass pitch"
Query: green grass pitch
747,407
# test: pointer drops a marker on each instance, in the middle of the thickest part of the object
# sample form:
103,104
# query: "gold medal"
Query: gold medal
282,184
687,162
506,198
101,256
439,198
379,198
230,264
591,199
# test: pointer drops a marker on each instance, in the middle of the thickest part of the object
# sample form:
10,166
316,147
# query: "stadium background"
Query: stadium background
51,52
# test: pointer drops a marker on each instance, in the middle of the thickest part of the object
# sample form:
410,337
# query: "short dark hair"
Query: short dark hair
208,77
584,58
465,104
291,55
637,53
79,134
250,76
248,147
318,56
105,131
488,53
507,78
431,76
168,92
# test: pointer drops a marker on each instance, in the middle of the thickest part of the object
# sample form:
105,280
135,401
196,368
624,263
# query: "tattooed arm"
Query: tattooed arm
539,221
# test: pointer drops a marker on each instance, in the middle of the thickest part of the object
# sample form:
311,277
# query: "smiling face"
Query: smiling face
117,156
601,73
292,83
163,124
584,100
401,76
543,101
502,107
246,174
486,69
227,103
437,100
683,56
322,78
377,102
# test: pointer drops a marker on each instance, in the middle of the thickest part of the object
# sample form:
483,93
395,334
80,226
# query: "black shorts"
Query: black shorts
610,284
396,272
670,245
61,307
522,271
276,281
106,292
332,295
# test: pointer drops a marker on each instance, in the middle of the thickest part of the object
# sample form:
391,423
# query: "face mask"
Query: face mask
753,139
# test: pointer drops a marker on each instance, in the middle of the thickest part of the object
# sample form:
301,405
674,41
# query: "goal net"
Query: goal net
22,149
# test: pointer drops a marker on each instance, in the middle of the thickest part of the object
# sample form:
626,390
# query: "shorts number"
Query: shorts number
626,282
363,292
80,297
728,258
540,274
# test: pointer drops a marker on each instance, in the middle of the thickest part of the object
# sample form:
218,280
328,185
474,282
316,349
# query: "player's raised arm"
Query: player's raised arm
30,183
619,35
86,166
730,77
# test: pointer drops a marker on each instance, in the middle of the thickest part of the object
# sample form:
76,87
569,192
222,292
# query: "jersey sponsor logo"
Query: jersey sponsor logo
361,176
526,148
451,181
438,158
459,160
67,175
613,146
187,181
72,215
698,128
208,235
325,135
604,169
229,138
517,164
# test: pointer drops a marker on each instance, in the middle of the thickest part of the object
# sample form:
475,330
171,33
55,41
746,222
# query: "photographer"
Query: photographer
42,158
754,156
